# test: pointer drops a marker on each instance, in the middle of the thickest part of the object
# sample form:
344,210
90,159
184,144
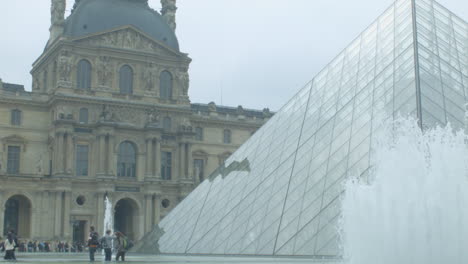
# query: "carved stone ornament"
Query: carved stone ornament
57,11
104,71
184,81
126,39
65,66
36,85
152,117
149,77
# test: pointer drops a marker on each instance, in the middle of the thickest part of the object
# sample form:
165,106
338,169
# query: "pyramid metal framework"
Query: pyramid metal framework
279,193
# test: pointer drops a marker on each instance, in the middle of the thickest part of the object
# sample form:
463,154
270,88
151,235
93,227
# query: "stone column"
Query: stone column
190,161
158,159
157,209
149,157
2,212
34,223
58,214
176,162
102,153
66,215
60,154
110,157
148,213
69,153
99,225
181,161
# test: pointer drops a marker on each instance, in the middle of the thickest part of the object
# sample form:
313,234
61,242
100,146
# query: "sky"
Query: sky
254,53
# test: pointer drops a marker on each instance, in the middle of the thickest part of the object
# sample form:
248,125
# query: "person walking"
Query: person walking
120,246
106,243
10,246
93,243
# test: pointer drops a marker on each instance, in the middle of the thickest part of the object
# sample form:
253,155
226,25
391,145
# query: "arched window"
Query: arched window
167,123
83,76
126,80
227,136
165,85
83,116
126,162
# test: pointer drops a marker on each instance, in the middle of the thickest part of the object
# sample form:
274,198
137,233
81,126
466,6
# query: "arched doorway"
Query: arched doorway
126,218
18,216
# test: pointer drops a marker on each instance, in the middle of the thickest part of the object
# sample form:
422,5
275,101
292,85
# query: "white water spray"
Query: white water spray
108,217
415,209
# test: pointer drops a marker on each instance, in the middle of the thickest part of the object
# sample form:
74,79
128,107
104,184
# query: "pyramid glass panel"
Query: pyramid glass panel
279,194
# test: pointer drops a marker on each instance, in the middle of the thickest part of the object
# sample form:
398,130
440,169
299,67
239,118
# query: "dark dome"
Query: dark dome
93,16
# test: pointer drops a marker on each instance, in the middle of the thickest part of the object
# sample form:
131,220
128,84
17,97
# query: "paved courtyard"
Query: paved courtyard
83,258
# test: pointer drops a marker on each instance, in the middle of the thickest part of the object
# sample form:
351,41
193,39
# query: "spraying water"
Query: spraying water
108,217
415,209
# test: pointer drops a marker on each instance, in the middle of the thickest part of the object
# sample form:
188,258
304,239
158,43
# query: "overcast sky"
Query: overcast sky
255,53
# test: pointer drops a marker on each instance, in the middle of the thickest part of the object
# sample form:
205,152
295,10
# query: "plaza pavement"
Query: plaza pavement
71,258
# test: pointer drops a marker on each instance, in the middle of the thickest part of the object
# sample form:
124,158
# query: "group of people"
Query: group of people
46,246
109,241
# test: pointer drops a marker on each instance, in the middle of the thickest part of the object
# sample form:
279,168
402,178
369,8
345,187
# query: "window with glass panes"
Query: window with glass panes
126,163
199,133
227,136
13,163
16,117
166,165
82,161
199,167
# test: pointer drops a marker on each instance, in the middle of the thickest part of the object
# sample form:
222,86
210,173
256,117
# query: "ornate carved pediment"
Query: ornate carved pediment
127,38
15,140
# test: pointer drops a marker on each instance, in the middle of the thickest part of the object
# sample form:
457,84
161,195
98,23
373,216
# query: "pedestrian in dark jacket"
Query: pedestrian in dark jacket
93,243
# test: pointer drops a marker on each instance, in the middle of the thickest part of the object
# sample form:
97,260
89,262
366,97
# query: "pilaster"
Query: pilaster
2,212
148,213
58,214
66,216
156,209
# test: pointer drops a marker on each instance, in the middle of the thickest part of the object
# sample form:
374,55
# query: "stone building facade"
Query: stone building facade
108,116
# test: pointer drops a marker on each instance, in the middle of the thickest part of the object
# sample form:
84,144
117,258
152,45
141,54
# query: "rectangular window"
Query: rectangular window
13,164
166,165
227,136
199,134
16,117
82,160
199,167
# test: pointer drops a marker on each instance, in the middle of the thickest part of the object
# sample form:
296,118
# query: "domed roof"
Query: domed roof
93,16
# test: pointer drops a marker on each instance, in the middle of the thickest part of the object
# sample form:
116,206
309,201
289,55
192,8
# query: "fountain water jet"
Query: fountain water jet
415,208
108,216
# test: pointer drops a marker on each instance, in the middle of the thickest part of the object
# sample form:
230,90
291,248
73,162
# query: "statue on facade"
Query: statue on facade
184,80
36,85
168,11
152,117
104,70
65,66
149,77
57,11
212,107
240,110
105,115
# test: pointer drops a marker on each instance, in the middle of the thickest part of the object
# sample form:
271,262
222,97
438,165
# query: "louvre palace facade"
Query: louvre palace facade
108,116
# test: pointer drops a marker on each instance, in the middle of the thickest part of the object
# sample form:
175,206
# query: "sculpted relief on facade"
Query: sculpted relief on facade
184,81
65,68
104,71
125,38
150,77
57,11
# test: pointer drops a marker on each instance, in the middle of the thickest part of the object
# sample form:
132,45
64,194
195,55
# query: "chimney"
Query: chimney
168,11
57,19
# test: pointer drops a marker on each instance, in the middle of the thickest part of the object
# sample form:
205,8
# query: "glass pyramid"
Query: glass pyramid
279,193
